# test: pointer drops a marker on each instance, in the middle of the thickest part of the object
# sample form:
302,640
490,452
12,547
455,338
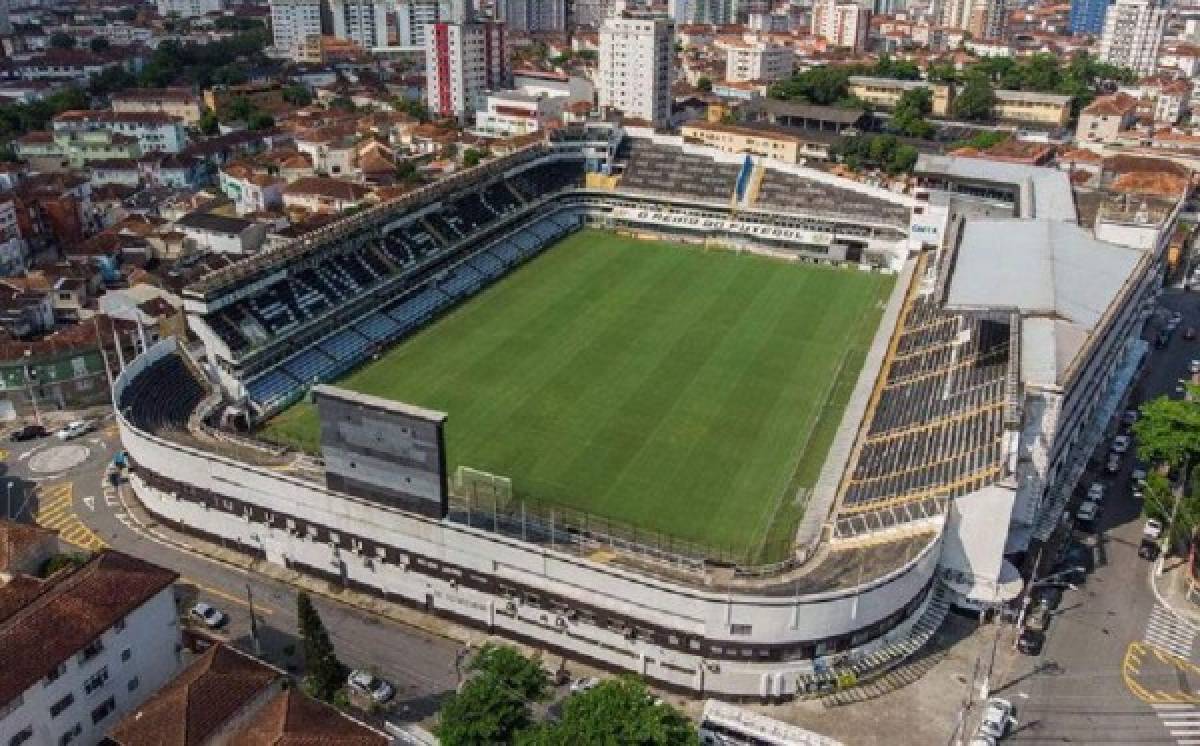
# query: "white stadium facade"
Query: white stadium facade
1007,344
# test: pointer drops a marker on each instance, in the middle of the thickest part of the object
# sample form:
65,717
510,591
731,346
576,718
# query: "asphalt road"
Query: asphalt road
1080,690
69,497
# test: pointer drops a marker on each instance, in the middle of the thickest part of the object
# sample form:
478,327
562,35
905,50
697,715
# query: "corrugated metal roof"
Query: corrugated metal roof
1044,192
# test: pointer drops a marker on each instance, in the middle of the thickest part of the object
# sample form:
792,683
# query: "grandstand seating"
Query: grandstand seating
796,193
347,344
667,169
938,423
163,396
546,178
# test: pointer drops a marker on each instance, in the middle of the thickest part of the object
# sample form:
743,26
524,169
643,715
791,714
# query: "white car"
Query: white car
1095,492
208,615
1113,465
584,684
371,685
999,718
1194,367
74,430
1139,475
1121,444
1088,512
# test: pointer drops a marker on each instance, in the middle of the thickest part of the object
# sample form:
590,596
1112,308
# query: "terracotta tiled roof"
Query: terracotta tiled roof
1118,104
128,117
72,611
292,719
326,187
16,539
198,702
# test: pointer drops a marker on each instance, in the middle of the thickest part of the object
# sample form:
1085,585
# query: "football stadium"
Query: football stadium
745,428
674,389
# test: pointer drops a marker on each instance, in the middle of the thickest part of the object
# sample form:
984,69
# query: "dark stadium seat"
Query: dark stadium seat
163,396
666,169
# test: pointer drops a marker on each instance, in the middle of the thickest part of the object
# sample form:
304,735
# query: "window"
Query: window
97,680
133,684
91,651
119,626
740,629
126,654
104,710
21,736
71,735
57,708
59,671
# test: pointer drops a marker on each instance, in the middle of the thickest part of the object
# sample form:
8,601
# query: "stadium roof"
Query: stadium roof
1060,279
1044,192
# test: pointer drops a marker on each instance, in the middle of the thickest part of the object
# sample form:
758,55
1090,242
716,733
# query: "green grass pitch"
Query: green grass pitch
676,389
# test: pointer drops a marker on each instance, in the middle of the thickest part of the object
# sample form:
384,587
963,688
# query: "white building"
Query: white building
842,24
534,15
541,83
761,61
14,252
510,113
634,71
1133,33
155,132
222,234
462,62
84,650
361,21
188,8
716,12
293,22
413,17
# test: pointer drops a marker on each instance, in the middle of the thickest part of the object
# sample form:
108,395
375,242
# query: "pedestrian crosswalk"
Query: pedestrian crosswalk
1182,721
1169,633
55,510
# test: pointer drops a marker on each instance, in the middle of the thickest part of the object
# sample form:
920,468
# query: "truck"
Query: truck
1151,534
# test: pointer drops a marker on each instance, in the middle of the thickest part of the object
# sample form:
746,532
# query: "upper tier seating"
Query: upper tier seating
163,396
665,169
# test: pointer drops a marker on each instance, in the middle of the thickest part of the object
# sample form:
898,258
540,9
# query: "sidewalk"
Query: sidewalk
1174,589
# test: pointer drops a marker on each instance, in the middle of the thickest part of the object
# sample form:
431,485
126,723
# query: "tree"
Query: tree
260,120
976,100
406,170
618,711
908,118
414,107
230,74
521,674
241,109
99,44
297,94
324,671
819,85
208,122
705,84
342,103
483,711
473,157
60,40
1168,430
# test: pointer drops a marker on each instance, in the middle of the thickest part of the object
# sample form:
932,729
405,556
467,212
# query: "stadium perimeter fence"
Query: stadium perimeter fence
588,534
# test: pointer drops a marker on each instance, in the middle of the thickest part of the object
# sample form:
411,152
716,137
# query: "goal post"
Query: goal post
483,487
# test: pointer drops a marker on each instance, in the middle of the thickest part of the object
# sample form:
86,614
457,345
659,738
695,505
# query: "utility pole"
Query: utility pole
253,621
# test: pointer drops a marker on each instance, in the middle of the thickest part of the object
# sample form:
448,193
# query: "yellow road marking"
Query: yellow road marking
55,510
1131,667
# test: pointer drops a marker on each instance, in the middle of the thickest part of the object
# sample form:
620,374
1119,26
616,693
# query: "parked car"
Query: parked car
1139,473
1095,492
208,615
1151,533
999,718
1075,563
1121,443
584,684
29,432
370,685
1038,618
74,430
1088,514
1030,642
1129,417
1194,367
1113,465
1048,596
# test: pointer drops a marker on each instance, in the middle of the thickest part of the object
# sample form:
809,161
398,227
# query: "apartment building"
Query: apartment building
1030,107
768,141
83,647
188,8
714,12
1087,16
462,62
841,24
533,15
511,113
174,102
294,24
757,61
155,132
1133,34
414,17
634,71
363,22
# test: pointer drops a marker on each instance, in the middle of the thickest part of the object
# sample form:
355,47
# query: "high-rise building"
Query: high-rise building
717,12
414,17
588,13
987,19
293,23
188,8
634,71
841,24
1087,16
5,23
747,61
533,15
1133,33
363,22
463,61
